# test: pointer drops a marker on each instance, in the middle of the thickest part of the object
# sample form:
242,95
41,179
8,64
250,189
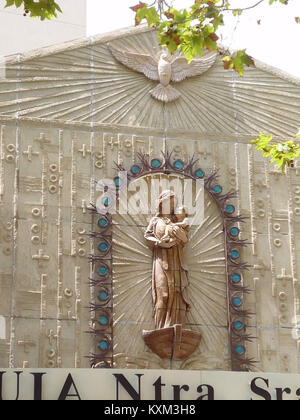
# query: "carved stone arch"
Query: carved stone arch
227,251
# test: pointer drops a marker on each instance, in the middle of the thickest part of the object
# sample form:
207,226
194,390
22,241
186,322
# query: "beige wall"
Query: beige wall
63,128
20,34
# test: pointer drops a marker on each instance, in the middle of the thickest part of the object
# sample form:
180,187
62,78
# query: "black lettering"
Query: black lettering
158,385
260,391
18,384
280,392
128,387
38,385
66,388
210,396
177,390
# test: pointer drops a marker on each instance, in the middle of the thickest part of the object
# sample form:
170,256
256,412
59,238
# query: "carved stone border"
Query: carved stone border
102,261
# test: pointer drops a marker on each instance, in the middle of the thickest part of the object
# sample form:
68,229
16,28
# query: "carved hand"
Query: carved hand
168,244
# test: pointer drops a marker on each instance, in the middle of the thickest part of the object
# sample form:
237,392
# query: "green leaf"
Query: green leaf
197,45
18,3
9,3
193,29
179,15
57,7
218,21
282,153
150,14
238,61
44,9
237,12
211,12
187,51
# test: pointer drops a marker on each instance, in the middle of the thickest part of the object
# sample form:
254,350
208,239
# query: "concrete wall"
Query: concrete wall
20,34
61,129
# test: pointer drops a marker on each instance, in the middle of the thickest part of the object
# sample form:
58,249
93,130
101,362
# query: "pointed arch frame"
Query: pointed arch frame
234,266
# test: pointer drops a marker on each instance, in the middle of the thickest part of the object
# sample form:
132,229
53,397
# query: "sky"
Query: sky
275,41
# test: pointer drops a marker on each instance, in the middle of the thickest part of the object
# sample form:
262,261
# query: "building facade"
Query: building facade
76,284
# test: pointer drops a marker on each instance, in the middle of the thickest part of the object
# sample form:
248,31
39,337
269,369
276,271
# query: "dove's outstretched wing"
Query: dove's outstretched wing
181,69
142,63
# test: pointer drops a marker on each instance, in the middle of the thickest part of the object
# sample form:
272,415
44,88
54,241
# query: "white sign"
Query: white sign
154,385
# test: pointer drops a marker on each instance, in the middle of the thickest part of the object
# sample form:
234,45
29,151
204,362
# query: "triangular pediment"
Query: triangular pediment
82,82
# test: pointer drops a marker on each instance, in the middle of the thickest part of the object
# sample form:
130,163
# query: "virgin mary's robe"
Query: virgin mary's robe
169,276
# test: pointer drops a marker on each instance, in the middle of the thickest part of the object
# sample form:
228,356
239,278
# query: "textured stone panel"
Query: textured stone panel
68,116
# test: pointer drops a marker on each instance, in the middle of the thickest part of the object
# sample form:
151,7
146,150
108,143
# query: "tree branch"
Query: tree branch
245,8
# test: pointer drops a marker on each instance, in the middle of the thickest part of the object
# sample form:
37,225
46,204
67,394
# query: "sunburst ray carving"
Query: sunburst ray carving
132,274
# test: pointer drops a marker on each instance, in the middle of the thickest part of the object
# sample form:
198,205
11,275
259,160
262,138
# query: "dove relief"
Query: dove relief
164,69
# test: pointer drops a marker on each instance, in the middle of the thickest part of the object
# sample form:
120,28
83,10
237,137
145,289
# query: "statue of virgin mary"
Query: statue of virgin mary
167,233
169,275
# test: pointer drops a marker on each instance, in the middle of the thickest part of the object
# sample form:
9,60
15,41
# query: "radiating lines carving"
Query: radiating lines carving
132,277
87,84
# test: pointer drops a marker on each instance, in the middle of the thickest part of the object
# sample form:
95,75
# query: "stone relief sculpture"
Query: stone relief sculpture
165,69
192,276
167,233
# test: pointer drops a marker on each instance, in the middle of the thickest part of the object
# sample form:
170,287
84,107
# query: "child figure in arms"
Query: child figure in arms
181,222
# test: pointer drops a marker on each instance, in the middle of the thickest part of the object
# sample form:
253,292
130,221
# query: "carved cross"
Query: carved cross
30,153
113,143
41,257
284,277
296,168
43,140
84,150
52,336
83,206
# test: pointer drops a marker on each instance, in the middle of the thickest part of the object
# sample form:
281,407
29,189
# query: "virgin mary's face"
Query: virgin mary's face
168,206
